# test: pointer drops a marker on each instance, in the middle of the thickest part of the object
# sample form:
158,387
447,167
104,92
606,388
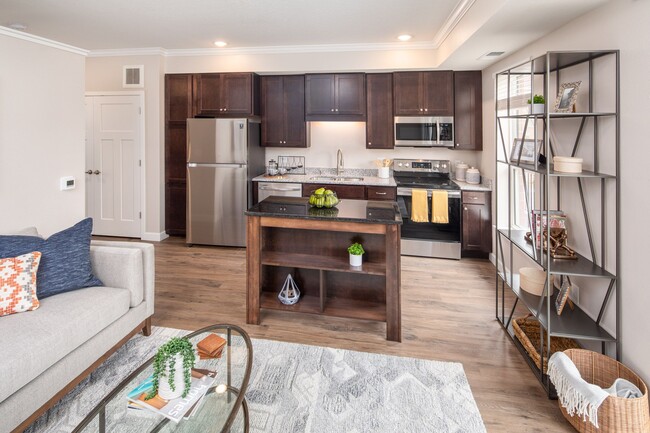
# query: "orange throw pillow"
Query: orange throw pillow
18,283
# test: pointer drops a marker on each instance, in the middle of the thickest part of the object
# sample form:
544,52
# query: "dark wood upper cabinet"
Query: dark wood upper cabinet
468,114
283,111
178,108
335,97
379,124
428,93
227,94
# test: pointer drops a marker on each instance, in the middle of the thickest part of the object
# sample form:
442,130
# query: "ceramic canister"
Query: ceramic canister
461,169
473,176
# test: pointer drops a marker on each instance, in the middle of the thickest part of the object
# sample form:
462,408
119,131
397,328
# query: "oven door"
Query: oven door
416,131
430,239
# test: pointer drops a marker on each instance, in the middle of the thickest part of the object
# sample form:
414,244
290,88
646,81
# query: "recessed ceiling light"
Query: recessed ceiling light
404,38
220,44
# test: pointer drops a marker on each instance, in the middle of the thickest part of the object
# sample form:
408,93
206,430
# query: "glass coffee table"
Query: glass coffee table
219,410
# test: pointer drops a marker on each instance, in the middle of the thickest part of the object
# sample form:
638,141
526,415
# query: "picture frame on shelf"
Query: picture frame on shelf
563,296
525,150
566,97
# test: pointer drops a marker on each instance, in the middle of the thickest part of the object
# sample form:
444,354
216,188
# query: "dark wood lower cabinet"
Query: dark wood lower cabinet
357,192
477,224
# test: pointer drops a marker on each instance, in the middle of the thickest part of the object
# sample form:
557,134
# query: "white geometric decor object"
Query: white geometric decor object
289,294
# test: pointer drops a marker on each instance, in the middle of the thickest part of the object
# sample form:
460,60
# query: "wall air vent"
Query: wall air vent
133,76
494,54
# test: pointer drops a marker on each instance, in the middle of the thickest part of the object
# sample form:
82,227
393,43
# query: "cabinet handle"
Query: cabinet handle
97,172
220,109
465,208
426,109
369,144
89,172
457,144
380,193
331,109
421,109
336,109
474,198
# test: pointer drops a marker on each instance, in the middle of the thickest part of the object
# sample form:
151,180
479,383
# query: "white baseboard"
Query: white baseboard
493,259
153,236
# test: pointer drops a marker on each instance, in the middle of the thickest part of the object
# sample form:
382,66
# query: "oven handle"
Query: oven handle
407,192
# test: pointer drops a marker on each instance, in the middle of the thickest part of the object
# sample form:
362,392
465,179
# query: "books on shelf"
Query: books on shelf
179,407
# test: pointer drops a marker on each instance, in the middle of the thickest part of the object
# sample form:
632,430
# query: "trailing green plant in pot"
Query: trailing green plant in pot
538,103
356,252
172,369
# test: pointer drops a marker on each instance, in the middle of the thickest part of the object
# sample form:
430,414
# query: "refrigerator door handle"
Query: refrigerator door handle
195,164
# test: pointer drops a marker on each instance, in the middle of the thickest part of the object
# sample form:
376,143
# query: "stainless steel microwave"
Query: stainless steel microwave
424,131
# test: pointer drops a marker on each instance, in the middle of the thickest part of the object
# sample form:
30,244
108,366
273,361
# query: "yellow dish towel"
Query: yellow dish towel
439,207
419,206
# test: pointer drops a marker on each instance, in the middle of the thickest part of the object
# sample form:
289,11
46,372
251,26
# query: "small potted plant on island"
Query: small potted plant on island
172,369
538,103
356,252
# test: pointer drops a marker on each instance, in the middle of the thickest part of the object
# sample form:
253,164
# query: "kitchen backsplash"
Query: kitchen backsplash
350,137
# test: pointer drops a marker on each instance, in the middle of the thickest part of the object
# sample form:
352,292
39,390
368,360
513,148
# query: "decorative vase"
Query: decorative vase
164,390
289,294
356,260
538,108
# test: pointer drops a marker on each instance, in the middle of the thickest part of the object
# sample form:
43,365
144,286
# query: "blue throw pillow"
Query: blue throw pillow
65,261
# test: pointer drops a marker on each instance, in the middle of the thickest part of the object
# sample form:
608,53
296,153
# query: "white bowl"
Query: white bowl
532,280
567,164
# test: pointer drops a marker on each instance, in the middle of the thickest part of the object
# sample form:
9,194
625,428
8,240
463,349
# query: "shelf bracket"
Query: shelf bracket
605,301
575,145
587,224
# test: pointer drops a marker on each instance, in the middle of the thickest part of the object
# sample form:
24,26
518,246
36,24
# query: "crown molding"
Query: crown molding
152,51
452,21
287,49
41,41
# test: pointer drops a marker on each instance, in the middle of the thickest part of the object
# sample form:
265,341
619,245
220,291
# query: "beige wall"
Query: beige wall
621,24
42,134
104,74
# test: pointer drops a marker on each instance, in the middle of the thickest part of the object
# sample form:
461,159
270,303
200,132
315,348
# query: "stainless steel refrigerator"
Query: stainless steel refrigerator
223,155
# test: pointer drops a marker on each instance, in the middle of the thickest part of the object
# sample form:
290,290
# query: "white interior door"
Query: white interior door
113,135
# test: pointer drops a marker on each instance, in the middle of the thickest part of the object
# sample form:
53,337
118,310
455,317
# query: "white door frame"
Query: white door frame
143,190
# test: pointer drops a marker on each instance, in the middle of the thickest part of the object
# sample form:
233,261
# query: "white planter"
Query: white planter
383,172
538,108
356,260
164,390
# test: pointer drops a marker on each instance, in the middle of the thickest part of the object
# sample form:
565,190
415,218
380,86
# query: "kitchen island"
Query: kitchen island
285,235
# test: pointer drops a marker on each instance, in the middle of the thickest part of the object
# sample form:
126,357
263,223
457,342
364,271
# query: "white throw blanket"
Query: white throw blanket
575,394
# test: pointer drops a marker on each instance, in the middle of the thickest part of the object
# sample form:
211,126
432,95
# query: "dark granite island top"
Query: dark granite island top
286,236
360,211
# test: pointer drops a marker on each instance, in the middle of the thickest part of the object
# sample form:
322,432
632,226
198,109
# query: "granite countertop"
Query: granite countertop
464,186
317,175
359,211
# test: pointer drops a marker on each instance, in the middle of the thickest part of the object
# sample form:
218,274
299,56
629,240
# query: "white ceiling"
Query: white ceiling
461,30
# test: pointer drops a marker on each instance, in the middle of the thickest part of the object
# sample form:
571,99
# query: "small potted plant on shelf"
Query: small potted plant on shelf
538,102
356,252
172,369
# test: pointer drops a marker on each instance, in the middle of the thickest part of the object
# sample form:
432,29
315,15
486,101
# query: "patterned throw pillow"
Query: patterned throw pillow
18,283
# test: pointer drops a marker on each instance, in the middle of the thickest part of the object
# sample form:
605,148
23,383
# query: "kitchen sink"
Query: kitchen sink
336,178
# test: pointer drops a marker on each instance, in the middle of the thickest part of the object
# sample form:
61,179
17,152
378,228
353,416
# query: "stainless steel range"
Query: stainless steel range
428,239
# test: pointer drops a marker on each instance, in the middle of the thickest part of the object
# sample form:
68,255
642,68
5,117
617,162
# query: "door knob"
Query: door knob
97,172
89,172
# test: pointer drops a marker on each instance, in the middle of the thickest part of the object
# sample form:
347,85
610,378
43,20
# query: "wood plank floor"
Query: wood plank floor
447,315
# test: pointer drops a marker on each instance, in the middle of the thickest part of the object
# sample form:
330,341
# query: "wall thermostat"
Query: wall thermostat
67,182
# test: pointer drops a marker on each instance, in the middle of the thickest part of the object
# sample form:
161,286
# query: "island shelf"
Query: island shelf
284,237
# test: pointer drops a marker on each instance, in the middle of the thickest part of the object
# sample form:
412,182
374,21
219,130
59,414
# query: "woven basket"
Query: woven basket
616,414
527,332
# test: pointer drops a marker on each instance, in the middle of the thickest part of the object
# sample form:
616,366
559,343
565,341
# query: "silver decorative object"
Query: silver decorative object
289,294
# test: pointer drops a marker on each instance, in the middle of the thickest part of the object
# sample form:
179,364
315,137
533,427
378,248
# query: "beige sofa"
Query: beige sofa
46,352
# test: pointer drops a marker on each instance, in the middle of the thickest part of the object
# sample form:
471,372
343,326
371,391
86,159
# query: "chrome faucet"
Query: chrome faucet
339,162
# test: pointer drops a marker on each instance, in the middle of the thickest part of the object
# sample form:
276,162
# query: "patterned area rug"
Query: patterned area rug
297,388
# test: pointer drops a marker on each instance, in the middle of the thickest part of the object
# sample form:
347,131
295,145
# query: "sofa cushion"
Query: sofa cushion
65,264
18,283
27,231
30,343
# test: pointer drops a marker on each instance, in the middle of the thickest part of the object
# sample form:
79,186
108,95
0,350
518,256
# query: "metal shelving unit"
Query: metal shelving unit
554,189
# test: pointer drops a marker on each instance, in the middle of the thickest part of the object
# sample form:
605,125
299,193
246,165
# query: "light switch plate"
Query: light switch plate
68,182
